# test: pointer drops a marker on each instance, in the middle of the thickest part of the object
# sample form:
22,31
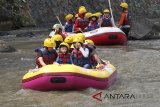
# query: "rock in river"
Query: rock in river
4,47
2,33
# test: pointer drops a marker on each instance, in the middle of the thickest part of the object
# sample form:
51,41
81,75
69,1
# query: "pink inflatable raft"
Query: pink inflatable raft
68,77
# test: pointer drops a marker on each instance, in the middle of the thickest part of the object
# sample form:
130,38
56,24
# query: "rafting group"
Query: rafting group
76,49
87,21
70,62
73,50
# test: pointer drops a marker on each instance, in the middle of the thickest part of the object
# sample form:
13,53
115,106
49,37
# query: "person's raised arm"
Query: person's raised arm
85,52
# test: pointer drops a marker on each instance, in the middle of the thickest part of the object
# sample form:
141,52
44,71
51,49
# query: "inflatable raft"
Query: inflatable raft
68,77
106,36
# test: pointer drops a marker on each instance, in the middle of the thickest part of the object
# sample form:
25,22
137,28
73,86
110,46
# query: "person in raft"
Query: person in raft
94,56
93,22
63,54
88,16
105,20
125,20
69,41
81,23
46,55
80,54
99,15
69,24
81,35
75,17
57,29
58,40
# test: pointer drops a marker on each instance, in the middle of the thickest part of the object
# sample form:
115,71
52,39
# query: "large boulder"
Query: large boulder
4,47
144,28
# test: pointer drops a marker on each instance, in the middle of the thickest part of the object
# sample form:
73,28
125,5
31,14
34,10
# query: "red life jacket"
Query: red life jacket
64,58
77,53
48,57
80,22
79,59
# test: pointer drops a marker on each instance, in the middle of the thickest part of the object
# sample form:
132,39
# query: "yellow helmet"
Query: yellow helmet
76,15
64,44
78,39
124,5
69,17
81,35
57,37
98,14
82,7
94,15
106,11
49,43
88,41
68,39
82,10
88,15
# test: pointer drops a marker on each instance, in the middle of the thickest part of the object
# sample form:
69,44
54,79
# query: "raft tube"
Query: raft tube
106,36
68,77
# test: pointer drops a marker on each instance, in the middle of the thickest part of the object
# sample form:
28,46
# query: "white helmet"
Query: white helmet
57,27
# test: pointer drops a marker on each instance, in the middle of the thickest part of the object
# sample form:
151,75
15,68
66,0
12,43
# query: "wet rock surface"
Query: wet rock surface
4,47
52,8
145,29
14,14
4,33
26,34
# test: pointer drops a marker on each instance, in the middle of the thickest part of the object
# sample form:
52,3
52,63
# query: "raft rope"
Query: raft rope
112,18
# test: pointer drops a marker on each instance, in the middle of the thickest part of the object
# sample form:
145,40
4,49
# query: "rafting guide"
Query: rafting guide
125,20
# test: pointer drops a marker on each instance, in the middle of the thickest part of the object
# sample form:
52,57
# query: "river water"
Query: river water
137,63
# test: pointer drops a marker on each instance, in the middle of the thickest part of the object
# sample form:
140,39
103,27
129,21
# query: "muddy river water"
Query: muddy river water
137,63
